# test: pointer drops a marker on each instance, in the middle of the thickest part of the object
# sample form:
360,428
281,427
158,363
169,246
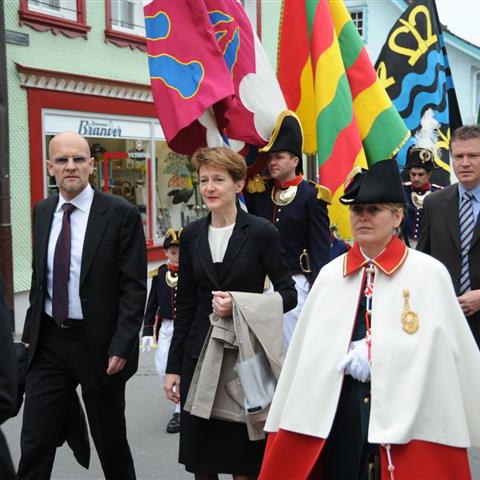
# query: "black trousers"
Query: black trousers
62,361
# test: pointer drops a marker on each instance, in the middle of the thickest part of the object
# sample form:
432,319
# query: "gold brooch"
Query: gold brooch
283,197
409,318
171,279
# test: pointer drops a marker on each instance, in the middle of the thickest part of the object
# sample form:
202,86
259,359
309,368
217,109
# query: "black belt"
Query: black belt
68,323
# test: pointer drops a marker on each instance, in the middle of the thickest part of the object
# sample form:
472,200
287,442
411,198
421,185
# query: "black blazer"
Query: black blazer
254,251
441,238
112,279
8,383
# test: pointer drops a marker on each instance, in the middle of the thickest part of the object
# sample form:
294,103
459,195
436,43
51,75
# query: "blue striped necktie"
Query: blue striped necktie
467,225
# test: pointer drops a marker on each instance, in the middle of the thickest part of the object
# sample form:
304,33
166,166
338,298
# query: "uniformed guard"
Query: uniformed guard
160,312
420,164
298,208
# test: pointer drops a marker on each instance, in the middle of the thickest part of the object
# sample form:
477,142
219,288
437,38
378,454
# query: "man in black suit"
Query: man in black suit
86,307
451,230
8,383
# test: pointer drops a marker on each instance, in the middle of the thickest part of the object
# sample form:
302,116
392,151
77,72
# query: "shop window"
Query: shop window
64,16
123,167
178,197
125,23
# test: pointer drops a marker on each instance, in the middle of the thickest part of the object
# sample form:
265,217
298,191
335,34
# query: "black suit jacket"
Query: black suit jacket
441,238
8,383
254,251
112,279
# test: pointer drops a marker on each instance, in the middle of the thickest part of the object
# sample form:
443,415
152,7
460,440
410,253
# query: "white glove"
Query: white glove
356,363
147,344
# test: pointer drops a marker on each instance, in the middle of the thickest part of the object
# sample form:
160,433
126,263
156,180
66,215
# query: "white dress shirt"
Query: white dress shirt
78,219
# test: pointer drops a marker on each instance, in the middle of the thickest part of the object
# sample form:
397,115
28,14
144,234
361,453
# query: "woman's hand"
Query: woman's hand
172,387
222,304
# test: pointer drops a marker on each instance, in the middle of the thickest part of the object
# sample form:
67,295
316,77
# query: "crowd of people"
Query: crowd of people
286,352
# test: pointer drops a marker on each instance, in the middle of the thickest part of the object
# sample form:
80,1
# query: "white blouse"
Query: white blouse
218,238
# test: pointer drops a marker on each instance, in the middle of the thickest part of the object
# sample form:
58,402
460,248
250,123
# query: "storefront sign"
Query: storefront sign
99,128
105,126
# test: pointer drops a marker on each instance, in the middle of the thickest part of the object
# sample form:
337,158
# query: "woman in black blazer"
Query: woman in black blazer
229,250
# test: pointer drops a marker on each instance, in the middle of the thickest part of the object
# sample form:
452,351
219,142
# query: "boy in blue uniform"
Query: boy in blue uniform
160,313
298,209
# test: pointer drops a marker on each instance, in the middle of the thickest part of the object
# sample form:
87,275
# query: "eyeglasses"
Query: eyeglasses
78,160
370,209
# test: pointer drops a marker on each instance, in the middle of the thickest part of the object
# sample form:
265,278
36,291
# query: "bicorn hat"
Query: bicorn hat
172,238
286,136
381,183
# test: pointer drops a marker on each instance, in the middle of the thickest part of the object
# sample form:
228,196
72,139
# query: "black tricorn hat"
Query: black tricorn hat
286,136
418,157
380,184
172,237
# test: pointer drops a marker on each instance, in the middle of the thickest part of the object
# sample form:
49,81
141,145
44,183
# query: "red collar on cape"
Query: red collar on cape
388,261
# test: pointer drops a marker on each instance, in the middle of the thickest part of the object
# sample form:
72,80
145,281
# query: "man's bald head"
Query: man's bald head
68,138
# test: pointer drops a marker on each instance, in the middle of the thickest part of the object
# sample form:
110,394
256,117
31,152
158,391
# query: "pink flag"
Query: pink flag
210,76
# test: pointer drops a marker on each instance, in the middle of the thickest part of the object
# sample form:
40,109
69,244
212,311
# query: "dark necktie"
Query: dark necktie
467,224
61,267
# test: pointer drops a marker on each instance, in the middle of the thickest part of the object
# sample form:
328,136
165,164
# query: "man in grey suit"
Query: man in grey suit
451,230
86,308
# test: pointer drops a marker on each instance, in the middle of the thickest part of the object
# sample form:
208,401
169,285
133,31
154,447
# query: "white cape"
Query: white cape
424,386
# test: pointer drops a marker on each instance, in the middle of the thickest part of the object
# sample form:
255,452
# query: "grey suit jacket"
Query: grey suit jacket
440,238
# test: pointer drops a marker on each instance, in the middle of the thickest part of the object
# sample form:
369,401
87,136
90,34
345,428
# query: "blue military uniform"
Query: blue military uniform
303,224
160,315
161,302
414,218
297,208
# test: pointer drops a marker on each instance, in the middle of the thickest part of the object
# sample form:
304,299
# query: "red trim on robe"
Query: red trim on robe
293,456
420,460
290,455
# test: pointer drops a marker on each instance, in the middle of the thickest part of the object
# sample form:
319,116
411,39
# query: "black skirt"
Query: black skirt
215,446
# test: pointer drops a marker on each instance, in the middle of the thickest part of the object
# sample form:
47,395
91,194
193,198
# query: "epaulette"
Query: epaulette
437,186
153,273
323,193
407,184
257,184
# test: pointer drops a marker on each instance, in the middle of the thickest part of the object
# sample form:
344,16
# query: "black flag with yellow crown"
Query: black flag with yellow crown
414,69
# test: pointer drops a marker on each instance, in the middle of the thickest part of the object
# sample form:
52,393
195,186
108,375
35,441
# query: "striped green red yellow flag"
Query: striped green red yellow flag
336,93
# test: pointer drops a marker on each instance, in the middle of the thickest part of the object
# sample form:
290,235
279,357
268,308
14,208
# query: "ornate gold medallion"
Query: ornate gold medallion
171,279
409,319
283,197
417,199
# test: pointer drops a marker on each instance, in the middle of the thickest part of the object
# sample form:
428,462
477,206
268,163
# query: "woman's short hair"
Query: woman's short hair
221,157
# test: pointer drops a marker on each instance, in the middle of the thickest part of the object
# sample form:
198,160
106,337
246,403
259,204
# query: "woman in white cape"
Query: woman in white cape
378,382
